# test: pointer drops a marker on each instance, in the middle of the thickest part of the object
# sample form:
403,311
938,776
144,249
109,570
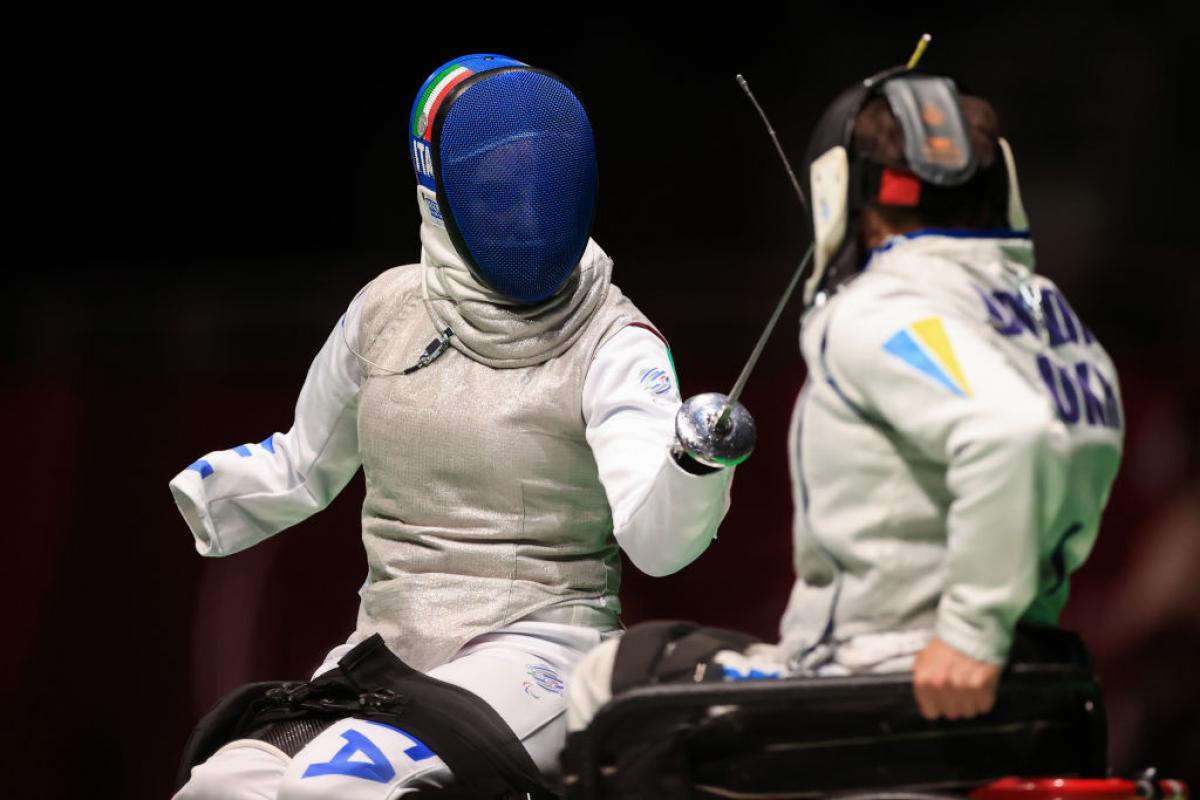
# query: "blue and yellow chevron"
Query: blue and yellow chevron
925,346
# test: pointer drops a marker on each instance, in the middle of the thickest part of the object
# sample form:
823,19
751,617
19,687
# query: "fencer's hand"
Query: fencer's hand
952,685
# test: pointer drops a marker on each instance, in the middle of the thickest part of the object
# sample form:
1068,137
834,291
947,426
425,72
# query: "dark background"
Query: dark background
197,198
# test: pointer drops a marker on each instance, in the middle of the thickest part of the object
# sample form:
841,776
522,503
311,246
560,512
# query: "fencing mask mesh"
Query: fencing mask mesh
514,166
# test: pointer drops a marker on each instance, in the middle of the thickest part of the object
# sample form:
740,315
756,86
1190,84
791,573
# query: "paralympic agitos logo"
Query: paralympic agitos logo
544,678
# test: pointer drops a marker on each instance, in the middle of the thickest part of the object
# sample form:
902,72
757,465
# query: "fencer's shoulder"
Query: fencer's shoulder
616,297
617,312
880,300
622,335
387,293
392,283
854,327
617,303
401,278
875,291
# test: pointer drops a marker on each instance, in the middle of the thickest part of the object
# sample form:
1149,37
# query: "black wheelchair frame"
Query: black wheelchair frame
819,737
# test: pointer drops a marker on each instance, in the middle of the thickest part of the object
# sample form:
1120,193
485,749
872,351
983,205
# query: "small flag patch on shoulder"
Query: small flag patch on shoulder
925,346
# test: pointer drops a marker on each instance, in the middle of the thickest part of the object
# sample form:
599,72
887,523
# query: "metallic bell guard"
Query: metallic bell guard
710,440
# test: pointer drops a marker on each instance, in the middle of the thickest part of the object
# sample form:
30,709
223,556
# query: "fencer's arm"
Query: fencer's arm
1003,449
233,499
663,517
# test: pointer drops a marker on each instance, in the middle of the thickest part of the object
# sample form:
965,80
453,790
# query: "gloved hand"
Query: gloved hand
704,442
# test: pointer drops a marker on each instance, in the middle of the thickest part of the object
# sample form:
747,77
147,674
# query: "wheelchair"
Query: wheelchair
856,737
851,738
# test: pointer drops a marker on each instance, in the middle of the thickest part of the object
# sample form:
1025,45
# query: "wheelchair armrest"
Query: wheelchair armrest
1047,718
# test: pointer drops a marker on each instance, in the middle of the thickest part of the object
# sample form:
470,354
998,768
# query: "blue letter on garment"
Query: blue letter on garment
378,770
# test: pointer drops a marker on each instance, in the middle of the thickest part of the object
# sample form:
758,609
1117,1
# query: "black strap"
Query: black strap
223,723
640,650
477,745
372,683
669,651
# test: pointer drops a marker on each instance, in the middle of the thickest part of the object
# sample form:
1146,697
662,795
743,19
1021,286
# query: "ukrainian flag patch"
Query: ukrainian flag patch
925,347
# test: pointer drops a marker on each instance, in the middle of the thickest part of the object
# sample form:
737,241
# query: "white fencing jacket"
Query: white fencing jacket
952,450
662,516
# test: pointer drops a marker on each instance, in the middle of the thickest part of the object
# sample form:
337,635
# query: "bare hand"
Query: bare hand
951,685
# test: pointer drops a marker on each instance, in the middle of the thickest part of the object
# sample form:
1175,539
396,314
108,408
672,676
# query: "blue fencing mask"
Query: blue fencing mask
508,151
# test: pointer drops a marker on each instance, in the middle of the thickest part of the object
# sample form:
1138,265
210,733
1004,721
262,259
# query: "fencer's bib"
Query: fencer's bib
483,501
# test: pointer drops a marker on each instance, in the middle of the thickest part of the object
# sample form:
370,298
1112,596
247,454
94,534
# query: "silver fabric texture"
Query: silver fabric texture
496,331
483,503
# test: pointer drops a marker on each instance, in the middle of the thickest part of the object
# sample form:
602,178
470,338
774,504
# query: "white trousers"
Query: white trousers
520,671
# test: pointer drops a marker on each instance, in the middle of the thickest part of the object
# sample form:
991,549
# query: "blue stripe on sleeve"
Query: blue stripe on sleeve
242,450
203,467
